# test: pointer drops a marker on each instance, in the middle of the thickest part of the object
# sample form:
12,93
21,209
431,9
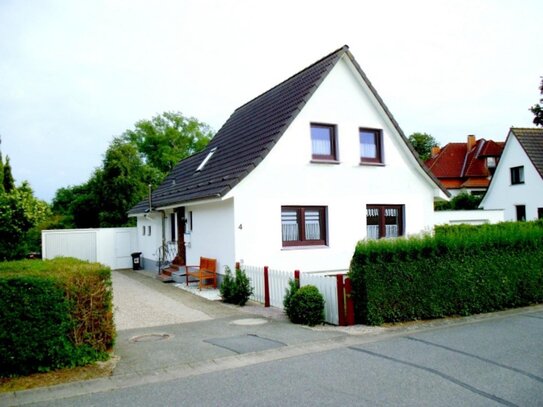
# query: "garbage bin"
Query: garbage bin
136,261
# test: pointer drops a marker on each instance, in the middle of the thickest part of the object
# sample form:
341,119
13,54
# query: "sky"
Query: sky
74,73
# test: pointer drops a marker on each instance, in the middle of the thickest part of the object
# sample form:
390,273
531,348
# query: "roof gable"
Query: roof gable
249,135
468,166
531,141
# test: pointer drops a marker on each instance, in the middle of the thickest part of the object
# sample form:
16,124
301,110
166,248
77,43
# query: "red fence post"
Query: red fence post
297,277
350,302
266,288
340,300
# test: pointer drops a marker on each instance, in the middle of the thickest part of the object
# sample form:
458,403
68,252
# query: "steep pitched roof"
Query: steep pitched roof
459,167
531,141
249,135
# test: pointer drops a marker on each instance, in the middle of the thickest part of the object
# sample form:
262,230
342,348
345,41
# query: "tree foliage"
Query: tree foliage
537,109
168,138
8,182
140,157
20,212
423,143
463,201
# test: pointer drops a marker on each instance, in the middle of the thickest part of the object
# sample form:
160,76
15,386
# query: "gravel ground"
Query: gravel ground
136,305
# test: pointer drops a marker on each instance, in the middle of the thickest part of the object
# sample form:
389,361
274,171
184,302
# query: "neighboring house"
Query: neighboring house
466,167
294,179
517,185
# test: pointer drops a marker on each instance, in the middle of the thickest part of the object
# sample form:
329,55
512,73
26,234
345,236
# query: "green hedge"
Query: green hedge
462,270
53,314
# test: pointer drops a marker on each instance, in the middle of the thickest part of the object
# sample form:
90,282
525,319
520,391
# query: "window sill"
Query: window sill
306,247
517,183
317,161
371,164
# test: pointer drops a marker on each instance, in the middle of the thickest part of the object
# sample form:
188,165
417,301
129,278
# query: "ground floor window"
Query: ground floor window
303,225
521,212
384,221
539,213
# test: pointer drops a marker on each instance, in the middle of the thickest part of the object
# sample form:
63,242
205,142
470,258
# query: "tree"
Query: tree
168,138
138,158
8,181
1,169
423,143
124,182
537,109
20,211
462,201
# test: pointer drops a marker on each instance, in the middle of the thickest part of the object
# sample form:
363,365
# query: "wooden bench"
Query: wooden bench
205,273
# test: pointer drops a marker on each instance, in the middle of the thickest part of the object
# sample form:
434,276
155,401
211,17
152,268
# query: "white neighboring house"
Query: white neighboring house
294,179
517,185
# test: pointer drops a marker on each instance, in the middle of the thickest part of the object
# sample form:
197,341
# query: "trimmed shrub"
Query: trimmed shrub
306,306
236,290
53,314
289,293
462,270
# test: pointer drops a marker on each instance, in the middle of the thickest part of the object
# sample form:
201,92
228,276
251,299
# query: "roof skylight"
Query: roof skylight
203,163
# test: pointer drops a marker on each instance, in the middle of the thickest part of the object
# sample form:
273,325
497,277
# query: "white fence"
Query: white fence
110,246
278,284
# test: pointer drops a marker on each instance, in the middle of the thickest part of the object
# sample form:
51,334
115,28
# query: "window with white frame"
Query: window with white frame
517,175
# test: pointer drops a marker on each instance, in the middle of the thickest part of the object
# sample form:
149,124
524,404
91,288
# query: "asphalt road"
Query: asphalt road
493,362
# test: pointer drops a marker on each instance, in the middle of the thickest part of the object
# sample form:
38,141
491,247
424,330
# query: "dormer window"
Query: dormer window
208,157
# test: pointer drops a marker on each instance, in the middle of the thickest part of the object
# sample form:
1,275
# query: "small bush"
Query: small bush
237,289
289,293
306,306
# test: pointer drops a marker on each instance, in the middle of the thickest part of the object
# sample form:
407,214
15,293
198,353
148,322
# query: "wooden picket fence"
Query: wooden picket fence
269,288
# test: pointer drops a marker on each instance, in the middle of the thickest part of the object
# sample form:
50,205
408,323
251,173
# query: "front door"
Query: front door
181,249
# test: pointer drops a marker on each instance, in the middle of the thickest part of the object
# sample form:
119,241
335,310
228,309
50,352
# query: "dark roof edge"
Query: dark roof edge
271,143
395,123
344,48
512,130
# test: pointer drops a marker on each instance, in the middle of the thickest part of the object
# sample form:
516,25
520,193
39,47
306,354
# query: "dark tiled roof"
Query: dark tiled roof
531,141
248,136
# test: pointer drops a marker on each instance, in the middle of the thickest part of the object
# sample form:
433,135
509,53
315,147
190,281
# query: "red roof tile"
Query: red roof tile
456,167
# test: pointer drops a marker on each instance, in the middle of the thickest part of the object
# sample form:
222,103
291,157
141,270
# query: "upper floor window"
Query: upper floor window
323,142
384,221
371,146
517,175
303,225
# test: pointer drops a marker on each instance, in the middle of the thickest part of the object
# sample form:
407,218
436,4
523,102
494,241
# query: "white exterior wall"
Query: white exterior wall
212,233
109,246
287,177
148,244
503,195
474,217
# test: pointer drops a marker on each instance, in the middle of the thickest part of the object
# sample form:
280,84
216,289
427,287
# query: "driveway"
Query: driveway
141,301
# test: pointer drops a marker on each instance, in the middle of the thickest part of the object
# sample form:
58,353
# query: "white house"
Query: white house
517,185
294,179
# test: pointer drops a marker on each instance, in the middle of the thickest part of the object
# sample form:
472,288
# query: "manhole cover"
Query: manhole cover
150,337
250,321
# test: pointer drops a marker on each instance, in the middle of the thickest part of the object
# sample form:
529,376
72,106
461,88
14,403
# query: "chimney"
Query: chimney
435,151
471,142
